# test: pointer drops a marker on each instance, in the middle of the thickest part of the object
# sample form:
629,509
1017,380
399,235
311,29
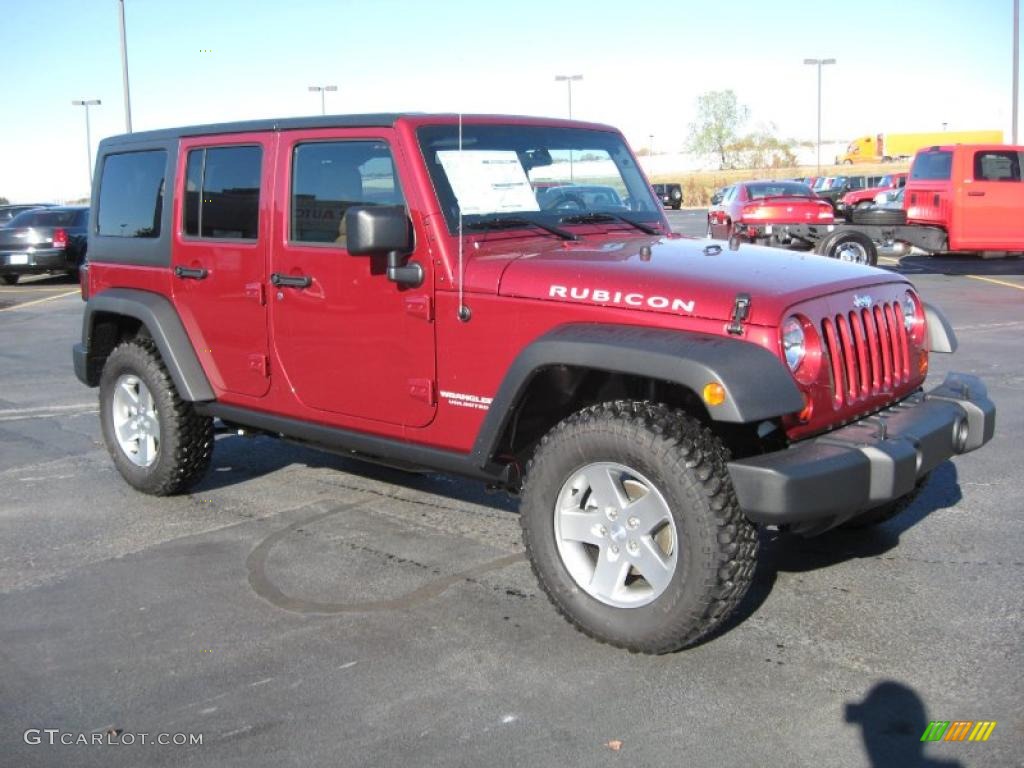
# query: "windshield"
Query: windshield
543,173
778,189
823,182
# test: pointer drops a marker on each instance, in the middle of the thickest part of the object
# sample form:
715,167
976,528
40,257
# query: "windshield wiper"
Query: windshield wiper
510,222
596,217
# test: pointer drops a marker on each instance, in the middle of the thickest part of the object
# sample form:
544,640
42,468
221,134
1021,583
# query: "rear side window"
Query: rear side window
932,166
997,165
329,177
222,193
131,194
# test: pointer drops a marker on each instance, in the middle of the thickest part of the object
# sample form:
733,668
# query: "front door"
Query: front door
349,341
990,204
222,226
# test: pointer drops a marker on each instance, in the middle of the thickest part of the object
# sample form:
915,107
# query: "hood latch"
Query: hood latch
740,311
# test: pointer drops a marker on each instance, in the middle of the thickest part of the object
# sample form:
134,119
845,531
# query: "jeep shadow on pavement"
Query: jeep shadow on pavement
434,292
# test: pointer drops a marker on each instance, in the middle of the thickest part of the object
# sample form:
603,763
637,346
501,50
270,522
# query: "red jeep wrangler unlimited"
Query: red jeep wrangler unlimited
393,287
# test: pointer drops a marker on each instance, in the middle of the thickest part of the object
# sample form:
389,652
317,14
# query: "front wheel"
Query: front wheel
632,526
159,444
9,279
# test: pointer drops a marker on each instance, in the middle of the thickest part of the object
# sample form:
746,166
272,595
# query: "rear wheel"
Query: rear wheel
848,245
159,444
10,279
633,528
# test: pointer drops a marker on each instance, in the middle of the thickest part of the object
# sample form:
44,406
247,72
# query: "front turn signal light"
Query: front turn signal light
714,393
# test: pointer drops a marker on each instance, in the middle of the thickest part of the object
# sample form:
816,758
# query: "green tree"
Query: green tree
719,119
4,201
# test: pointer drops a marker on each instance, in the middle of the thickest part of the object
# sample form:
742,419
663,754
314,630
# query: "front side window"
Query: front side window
932,166
997,165
519,173
131,194
222,193
328,177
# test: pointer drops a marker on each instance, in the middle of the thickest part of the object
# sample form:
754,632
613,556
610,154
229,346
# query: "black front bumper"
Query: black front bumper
823,481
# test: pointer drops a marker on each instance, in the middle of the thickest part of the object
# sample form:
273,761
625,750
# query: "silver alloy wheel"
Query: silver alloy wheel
851,251
136,423
615,535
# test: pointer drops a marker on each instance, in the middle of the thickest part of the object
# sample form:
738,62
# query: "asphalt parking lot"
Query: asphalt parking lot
303,609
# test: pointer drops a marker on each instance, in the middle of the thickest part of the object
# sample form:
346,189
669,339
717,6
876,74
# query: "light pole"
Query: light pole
819,63
568,79
322,89
88,134
1016,63
650,146
124,71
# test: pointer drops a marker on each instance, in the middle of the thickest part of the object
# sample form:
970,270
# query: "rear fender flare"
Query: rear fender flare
161,320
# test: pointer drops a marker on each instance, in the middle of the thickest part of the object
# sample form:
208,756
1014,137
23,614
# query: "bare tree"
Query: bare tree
719,119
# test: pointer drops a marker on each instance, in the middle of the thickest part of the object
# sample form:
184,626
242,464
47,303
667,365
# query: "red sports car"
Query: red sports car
750,210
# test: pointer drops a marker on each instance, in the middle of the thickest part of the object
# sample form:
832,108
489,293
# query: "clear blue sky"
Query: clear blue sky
903,65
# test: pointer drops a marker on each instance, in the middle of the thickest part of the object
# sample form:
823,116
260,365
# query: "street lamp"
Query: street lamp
323,89
1016,63
650,146
88,134
819,63
568,79
124,72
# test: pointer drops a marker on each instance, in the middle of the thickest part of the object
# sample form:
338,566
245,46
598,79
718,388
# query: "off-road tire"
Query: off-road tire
716,545
886,512
186,438
883,217
10,279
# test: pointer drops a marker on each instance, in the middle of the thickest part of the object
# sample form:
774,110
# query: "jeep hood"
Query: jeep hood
680,276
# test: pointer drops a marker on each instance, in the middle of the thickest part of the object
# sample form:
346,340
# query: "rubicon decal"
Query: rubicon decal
626,299
462,400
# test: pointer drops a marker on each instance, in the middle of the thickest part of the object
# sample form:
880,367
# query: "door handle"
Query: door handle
191,273
291,281
975,194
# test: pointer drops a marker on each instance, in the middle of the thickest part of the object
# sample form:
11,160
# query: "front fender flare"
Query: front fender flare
758,385
160,318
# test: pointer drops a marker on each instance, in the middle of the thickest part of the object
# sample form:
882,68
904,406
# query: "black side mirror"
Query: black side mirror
383,229
716,199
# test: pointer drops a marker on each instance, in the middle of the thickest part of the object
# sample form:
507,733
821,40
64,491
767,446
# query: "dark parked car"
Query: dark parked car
8,212
671,195
43,240
840,186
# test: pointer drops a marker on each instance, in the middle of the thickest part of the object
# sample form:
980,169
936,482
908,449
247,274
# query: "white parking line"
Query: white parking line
39,301
47,412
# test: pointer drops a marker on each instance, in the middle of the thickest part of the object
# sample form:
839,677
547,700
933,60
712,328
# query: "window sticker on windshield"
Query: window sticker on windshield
488,181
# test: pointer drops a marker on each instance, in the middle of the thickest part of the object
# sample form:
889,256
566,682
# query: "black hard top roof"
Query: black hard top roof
373,120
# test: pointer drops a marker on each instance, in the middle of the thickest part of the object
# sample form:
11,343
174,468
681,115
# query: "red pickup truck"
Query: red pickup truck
962,198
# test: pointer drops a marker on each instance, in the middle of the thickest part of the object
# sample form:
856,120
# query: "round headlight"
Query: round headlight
909,305
793,342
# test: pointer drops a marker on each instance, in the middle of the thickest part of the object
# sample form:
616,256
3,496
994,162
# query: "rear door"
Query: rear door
350,341
222,225
991,201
